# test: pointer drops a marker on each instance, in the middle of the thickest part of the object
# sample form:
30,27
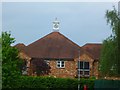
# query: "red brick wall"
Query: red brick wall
95,69
86,58
70,69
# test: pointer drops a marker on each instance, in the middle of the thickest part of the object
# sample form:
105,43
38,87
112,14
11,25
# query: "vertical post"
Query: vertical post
79,71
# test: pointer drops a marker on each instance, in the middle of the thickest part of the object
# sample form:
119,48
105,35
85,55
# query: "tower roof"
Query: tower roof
54,45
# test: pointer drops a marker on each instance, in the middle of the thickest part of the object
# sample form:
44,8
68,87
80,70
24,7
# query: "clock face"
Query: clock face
55,26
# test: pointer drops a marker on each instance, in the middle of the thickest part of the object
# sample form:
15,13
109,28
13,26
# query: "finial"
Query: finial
56,25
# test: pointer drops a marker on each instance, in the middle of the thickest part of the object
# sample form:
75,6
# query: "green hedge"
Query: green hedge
51,82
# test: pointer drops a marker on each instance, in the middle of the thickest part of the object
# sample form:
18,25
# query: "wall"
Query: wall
68,71
95,69
93,65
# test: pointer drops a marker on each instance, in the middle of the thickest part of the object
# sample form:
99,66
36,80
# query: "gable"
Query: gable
53,45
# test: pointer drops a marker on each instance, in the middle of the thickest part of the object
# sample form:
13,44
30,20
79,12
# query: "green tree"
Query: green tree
10,62
110,57
0,62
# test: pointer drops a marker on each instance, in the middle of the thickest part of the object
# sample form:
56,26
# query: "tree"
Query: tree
110,57
0,62
10,62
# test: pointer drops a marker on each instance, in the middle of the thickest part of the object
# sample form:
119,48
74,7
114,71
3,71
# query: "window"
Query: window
81,65
60,64
83,68
86,65
47,62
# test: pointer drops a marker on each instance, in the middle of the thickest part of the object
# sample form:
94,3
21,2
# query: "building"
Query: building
56,55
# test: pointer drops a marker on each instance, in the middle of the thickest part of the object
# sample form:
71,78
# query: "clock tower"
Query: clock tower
56,25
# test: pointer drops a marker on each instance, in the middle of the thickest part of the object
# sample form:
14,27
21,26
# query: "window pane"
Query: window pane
62,63
81,65
86,72
86,65
58,65
78,64
58,62
81,72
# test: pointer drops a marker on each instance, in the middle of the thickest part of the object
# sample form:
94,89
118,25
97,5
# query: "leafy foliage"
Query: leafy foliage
0,62
10,62
53,83
110,58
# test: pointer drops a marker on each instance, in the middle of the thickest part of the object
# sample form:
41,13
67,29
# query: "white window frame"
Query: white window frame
60,63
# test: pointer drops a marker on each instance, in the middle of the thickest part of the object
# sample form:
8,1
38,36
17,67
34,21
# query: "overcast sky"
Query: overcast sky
80,22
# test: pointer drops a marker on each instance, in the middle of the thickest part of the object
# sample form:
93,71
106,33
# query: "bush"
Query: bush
47,82
53,83
88,82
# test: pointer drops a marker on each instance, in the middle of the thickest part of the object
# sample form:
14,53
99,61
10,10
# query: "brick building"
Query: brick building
56,55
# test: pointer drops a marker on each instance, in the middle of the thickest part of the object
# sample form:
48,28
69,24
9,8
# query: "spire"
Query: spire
56,25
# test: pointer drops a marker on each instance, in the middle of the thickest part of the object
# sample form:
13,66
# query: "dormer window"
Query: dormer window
60,64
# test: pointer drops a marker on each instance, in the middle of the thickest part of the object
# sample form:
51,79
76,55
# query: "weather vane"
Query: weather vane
56,25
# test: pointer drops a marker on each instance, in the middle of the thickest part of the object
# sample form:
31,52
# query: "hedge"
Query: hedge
52,83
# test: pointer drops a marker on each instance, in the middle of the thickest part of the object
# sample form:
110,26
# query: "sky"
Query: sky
81,22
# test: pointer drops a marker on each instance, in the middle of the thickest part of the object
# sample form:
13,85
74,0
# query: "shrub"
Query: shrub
88,82
52,83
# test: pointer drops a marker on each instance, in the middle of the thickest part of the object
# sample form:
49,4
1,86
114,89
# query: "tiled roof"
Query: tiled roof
54,45
19,45
94,49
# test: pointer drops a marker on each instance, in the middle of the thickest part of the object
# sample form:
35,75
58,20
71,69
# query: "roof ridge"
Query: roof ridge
92,44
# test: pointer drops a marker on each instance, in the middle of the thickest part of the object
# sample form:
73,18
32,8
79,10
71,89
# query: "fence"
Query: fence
107,85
